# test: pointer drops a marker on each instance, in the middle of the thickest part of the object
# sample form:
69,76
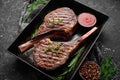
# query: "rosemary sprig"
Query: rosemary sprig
71,66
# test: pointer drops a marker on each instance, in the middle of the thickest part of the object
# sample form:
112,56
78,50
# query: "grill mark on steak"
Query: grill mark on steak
51,59
63,20
67,18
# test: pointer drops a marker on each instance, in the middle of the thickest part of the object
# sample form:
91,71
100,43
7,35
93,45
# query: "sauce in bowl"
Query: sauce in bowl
87,19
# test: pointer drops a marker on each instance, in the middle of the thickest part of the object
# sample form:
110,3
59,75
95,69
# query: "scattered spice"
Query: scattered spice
90,70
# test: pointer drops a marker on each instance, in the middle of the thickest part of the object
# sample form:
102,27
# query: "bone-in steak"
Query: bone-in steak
61,19
59,24
50,55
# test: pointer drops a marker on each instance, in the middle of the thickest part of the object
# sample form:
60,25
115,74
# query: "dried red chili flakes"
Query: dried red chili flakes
90,70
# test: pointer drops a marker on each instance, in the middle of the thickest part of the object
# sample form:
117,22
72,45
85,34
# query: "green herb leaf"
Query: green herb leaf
74,61
32,7
71,66
53,48
107,68
35,4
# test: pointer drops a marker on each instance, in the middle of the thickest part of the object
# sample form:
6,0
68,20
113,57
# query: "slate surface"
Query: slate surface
10,12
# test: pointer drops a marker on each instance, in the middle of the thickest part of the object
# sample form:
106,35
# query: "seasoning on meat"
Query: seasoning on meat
59,24
50,55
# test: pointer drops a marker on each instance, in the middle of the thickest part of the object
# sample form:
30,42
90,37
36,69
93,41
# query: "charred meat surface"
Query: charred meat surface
61,19
50,55
59,24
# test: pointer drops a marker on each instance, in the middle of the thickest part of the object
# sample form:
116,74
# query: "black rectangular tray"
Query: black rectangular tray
52,5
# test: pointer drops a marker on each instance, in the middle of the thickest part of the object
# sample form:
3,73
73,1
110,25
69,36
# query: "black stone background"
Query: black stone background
10,11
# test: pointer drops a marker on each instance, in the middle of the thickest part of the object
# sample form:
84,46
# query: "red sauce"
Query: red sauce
87,19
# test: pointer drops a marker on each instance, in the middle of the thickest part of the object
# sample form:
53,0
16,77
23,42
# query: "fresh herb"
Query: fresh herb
57,46
53,48
48,49
35,4
107,68
71,66
32,7
26,18
35,31
53,22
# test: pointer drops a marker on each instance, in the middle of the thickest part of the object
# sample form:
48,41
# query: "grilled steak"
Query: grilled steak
50,55
60,19
58,24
